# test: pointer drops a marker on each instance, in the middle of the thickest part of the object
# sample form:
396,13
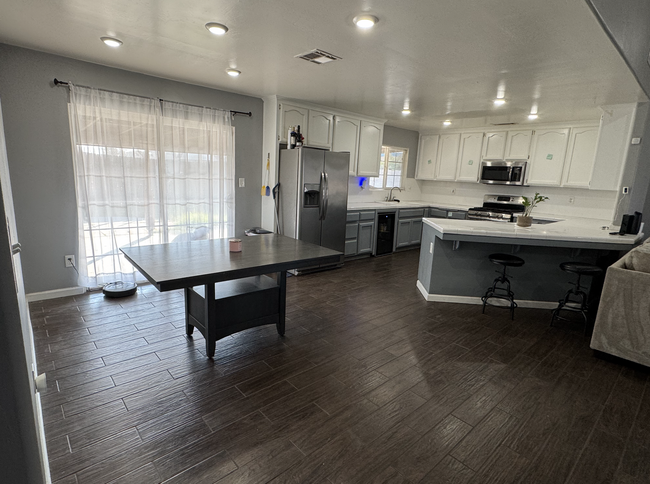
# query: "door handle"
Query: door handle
321,196
326,196
15,248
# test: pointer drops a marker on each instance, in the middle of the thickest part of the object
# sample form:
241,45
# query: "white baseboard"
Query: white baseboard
477,300
55,293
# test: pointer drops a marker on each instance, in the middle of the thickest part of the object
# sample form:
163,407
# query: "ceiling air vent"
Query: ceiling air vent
318,56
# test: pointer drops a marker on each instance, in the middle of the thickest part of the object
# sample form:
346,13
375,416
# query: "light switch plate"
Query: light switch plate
242,182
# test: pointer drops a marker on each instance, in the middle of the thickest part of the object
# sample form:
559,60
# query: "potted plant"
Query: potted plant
526,219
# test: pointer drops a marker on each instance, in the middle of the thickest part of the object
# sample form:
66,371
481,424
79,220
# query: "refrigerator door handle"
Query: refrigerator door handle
321,196
326,196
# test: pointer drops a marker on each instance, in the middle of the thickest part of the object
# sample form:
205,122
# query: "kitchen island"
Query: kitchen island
454,265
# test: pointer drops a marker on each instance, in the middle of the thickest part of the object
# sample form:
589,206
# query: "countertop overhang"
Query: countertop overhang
575,232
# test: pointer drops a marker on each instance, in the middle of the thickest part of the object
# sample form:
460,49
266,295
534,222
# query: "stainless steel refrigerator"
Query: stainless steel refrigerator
314,196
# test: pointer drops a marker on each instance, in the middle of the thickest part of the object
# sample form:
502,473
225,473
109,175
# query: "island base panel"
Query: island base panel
221,309
463,269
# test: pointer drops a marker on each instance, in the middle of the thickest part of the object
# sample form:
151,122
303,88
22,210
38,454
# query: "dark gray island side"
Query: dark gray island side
454,265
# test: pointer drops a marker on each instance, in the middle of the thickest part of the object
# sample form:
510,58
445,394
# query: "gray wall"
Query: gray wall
627,22
637,166
403,138
40,156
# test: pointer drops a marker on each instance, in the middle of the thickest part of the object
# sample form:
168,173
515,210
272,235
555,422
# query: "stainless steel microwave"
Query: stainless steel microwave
503,172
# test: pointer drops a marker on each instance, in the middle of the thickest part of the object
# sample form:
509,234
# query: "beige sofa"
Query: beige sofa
622,325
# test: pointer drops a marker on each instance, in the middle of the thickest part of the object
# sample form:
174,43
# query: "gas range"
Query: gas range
498,208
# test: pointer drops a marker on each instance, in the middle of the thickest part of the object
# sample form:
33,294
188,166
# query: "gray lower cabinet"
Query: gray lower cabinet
458,214
437,213
366,237
403,238
445,213
360,233
409,227
416,232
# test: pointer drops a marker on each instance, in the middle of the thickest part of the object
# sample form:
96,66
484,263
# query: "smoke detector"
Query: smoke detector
318,56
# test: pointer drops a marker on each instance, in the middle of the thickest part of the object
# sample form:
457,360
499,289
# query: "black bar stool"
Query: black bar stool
576,299
501,287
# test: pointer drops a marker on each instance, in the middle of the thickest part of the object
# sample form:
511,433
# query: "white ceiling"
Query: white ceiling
446,57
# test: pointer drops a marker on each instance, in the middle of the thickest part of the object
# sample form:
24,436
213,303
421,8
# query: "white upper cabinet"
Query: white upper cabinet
427,157
494,145
447,156
613,143
580,157
320,126
292,116
547,156
346,138
469,157
518,144
370,140
323,128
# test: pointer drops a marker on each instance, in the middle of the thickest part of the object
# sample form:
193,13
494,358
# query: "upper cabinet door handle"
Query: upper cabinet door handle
15,248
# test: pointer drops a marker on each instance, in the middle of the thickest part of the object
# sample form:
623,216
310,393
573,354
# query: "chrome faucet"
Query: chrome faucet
390,194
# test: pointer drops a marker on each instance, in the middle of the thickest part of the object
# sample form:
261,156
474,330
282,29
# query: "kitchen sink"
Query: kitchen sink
391,203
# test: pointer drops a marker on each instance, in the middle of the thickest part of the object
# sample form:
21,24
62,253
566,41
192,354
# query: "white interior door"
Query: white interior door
32,429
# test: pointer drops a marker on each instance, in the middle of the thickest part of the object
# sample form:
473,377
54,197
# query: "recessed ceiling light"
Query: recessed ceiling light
365,21
499,102
447,122
216,29
233,72
533,112
111,41
406,111
532,116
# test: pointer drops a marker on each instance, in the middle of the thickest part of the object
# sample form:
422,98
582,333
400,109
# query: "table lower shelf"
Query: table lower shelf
221,309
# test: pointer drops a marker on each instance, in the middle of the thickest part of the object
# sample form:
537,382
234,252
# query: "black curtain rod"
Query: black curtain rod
234,113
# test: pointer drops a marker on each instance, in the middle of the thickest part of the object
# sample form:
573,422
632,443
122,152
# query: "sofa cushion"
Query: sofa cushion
638,259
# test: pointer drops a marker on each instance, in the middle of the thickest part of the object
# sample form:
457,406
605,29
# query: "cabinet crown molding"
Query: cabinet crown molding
328,109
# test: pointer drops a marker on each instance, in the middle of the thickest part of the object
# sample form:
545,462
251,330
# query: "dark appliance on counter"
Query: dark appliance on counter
499,208
385,231
631,224
503,172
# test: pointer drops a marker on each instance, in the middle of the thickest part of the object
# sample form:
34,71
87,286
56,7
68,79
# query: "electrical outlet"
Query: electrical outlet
572,200
430,247
626,190
242,182
69,261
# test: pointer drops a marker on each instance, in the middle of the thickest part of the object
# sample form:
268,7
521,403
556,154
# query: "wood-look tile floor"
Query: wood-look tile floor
371,384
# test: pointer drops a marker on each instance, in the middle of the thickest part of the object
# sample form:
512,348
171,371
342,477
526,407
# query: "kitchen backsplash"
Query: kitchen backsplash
562,202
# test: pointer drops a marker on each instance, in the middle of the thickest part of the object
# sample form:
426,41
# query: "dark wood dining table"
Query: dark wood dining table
227,292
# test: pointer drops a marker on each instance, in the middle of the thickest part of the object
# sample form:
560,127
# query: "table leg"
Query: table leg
189,329
283,302
211,320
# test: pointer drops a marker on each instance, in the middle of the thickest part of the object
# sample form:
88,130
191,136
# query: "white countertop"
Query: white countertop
574,229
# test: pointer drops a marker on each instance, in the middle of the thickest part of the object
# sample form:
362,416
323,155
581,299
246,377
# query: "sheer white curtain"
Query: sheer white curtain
143,178
199,172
